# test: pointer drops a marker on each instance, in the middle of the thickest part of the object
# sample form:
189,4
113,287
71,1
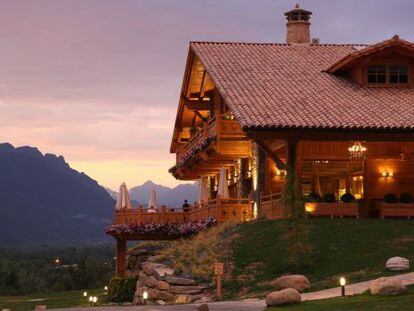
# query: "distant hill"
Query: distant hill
43,200
173,197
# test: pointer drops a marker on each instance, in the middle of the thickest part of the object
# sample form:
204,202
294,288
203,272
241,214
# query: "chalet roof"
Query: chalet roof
288,86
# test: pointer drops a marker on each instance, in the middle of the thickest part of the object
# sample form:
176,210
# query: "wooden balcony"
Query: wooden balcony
220,142
234,209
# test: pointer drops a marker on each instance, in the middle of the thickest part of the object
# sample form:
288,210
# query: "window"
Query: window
398,74
392,74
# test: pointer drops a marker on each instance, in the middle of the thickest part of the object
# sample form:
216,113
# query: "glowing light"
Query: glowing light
309,207
94,299
145,295
342,281
57,260
106,288
85,294
357,150
387,174
90,298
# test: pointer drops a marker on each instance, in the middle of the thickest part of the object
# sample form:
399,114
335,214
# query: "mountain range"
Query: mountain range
173,197
44,200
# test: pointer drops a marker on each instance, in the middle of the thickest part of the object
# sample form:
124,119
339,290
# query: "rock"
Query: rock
162,285
162,272
283,297
155,294
151,281
161,302
387,287
188,290
181,299
142,277
397,264
296,281
203,307
179,281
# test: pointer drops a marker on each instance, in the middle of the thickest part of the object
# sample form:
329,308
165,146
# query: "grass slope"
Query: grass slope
364,302
52,300
354,248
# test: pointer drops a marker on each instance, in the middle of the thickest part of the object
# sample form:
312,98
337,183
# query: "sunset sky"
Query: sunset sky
97,81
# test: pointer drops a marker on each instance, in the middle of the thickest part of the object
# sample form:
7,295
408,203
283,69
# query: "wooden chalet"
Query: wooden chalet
340,115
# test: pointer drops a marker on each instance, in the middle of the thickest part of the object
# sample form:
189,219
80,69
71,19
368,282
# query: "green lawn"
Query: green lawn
52,300
354,248
364,302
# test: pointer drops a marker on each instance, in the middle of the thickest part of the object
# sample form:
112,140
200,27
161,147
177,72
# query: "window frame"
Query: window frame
388,65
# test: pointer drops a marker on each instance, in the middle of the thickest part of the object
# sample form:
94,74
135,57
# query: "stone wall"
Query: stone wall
161,282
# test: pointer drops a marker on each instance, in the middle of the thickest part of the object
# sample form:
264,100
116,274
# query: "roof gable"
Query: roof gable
359,54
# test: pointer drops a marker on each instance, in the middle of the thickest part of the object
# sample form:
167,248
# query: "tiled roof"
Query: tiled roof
287,86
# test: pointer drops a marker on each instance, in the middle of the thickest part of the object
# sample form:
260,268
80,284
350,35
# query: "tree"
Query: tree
297,226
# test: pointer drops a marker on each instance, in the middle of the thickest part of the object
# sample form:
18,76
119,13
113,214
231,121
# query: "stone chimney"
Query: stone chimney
298,26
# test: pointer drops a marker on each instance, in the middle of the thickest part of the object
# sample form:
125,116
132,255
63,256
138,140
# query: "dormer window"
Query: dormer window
387,74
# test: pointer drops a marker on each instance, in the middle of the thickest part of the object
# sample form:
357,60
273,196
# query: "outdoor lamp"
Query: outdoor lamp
106,288
342,282
145,296
85,294
90,298
95,299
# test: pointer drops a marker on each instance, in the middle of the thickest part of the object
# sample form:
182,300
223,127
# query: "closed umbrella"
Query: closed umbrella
152,204
223,188
202,190
123,198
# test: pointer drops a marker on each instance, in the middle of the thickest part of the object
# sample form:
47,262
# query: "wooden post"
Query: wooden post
120,257
163,215
219,272
218,209
140,215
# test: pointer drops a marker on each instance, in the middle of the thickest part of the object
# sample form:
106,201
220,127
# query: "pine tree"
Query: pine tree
297,227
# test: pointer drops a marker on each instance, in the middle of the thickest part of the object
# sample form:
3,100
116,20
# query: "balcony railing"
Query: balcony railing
222,127
272,207
234,209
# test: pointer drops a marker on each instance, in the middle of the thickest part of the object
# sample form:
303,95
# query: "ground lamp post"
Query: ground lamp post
342,282
145,297
85,294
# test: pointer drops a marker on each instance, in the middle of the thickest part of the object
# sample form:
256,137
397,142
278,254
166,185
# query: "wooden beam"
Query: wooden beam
279,163
197,104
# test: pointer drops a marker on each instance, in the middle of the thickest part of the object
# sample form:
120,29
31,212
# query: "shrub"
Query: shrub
405,198
314,197
121,289
390,198
196,256
347,197
329,198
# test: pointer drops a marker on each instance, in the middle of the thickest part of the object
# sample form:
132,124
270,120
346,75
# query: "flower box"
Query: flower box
337,209
395,210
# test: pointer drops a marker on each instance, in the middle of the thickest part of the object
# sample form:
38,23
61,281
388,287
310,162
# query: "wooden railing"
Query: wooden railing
223,127
234,209
271,206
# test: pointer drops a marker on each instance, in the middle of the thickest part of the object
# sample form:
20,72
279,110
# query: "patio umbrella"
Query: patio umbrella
152,204
123,198
202,190
223,188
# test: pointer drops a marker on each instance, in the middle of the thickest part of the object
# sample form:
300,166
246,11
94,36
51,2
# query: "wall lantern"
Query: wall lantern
280,173
342,282
387,174
357,150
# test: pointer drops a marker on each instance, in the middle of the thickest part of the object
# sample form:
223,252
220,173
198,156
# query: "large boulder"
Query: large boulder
283,297
296,281
397,264
187,290
387,287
